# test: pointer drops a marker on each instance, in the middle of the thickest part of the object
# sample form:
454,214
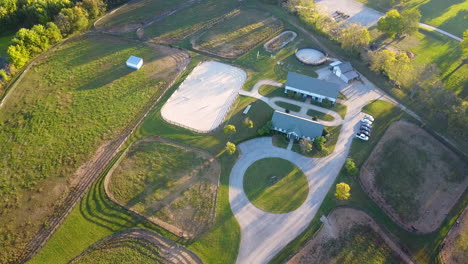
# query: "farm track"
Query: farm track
96,169
170,251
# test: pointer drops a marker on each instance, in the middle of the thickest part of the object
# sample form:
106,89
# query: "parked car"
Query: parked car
362,136
366,125
366,128
366,121
365,132
369,117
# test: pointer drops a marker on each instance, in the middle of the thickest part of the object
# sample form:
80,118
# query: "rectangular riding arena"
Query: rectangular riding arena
202,101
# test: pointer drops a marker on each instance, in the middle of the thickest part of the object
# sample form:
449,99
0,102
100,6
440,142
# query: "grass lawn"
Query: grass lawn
334,133
5,41
280,140
136,12
288,106
450,16
339,108
122,251
320,115
80,96
274,91
275,185
238,34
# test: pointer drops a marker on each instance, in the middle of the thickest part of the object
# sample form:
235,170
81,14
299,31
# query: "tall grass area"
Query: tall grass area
424,248
137,11
63,109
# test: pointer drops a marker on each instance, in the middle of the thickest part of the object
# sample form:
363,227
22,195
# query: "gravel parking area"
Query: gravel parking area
357,12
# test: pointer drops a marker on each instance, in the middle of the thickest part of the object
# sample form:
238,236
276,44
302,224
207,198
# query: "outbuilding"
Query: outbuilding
296,127
134,62
317,89
344,71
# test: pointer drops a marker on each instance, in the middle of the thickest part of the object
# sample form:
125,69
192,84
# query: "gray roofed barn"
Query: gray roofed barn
296,127
312,85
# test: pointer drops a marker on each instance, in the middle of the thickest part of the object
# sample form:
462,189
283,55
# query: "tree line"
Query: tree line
43,24
422,85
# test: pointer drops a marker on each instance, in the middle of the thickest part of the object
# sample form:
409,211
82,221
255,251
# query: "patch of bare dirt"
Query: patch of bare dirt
340,222
278,42
167,251
455,246
189,209
436,195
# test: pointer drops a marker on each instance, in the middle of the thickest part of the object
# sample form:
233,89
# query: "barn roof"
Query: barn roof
300,126
312,85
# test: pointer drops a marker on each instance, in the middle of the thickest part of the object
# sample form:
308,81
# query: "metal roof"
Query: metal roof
345,67
134,60
300,126
312,85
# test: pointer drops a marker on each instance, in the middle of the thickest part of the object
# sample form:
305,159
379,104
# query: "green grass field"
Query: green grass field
137,12
288,106
447,15
320,115
238,34
275,185
81,96
125,250
5,41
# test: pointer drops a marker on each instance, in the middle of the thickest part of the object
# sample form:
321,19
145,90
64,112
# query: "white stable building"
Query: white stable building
308,86
134,62
344,71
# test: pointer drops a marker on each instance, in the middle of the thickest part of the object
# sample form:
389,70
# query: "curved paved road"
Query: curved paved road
264,234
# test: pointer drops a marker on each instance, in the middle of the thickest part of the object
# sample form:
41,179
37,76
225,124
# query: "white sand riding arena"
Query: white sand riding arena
202,101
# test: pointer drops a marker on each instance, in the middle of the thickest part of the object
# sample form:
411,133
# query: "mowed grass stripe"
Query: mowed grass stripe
275,185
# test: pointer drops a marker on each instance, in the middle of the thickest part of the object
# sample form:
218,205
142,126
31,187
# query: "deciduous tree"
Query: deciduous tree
71,20
248,123
319,142
354,36
350,167
342,191
306,145
229,129
230,148
391,23
464,44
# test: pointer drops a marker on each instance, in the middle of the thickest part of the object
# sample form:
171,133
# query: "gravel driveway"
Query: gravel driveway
264,234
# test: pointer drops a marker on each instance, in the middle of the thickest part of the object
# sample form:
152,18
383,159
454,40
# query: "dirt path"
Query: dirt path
91,172
170,251
433,194
210,164
342,220
451,252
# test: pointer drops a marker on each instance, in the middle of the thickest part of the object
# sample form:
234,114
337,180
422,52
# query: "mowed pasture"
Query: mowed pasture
413,177
350,236
170,184
67,105
450,15
238,34
189,21
134,14
135,245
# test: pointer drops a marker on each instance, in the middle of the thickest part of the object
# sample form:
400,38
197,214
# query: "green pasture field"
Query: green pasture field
63,109
450,16
320,115
238,34
434,48
137,11
190,20
281,194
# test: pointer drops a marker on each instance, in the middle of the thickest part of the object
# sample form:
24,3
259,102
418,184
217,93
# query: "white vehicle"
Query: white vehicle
366,121
362,136
369,117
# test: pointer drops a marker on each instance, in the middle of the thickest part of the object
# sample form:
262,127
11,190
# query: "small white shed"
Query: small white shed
134,62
